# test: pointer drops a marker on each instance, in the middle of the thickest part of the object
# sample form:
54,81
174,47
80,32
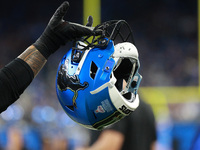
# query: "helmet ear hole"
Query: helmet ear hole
133,84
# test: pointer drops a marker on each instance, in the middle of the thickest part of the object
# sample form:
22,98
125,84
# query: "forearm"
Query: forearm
153,145
14,79
34,59
108,140
18,74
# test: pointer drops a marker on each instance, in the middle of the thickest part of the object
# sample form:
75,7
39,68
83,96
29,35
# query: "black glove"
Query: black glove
59,31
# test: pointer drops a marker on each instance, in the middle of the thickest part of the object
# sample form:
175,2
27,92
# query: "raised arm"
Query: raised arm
16,76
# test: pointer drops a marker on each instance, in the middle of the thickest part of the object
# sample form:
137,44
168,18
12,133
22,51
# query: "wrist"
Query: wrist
48,42
33,58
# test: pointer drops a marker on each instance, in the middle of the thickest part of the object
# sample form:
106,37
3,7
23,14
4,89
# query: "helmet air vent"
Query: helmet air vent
93,70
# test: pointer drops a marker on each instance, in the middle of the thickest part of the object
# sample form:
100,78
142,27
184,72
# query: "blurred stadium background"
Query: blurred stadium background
166,35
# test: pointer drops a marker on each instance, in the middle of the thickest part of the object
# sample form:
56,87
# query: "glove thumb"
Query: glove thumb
90,21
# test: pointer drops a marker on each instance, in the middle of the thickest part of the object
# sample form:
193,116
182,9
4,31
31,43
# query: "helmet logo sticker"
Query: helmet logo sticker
99,109
71,82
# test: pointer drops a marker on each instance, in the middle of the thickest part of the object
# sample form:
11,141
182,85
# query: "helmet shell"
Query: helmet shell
85,88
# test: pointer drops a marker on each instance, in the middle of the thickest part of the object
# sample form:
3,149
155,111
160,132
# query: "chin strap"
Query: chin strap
109,84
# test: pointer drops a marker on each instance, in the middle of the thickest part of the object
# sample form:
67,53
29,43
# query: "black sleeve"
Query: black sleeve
14,79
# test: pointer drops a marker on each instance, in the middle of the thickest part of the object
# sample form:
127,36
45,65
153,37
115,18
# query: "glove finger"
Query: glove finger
83,32
81,29
90,21
98,32
60,12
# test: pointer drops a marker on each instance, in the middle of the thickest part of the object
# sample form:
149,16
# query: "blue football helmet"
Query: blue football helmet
97,79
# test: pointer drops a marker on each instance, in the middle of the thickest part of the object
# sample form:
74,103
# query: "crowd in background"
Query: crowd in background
165,33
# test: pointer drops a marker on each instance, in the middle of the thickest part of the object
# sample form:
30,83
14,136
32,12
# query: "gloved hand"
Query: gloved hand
59,31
